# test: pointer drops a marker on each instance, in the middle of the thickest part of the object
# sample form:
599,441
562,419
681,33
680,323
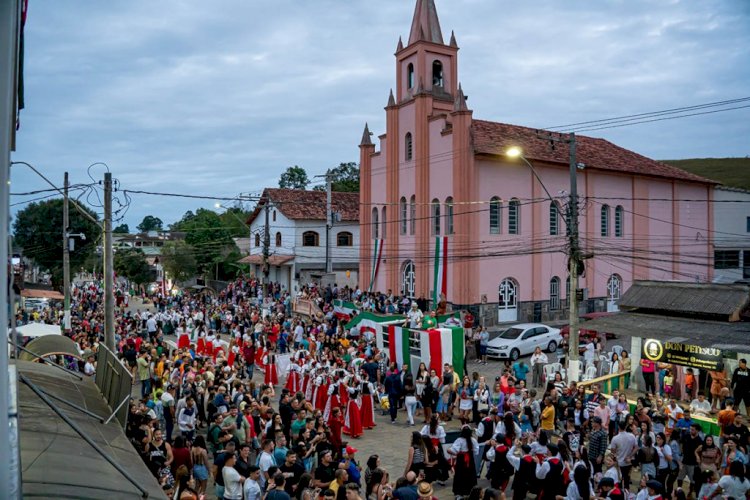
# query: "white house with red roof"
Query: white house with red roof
443,207
297,237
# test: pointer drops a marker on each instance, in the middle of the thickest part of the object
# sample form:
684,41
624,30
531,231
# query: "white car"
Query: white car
519,340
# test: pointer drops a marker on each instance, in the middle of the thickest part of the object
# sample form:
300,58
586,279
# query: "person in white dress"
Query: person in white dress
537,361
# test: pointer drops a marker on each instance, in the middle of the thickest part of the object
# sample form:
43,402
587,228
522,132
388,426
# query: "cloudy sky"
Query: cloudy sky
218,98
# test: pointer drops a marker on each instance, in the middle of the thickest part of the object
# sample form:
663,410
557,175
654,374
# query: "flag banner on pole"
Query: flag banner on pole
443,345
398,345
440,282
376,254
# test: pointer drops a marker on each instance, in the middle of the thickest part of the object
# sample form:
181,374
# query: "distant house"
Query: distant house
731,235
150,243
297,237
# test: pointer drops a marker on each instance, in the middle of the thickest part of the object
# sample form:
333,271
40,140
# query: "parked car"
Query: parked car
520,340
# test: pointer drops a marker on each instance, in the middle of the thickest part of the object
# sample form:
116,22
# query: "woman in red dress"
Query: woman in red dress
332,401
293,383
183,338
353,418
271,376
368,405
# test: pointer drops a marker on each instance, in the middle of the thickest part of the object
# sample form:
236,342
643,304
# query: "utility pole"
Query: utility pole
266,242
109,269
573,260
574,252
329,220
66,254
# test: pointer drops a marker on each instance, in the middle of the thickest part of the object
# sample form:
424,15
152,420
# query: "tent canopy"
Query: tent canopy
38,330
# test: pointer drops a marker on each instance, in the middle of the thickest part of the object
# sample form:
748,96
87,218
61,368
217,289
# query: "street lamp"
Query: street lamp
573,252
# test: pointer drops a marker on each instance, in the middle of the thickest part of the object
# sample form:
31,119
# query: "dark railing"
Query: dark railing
115,382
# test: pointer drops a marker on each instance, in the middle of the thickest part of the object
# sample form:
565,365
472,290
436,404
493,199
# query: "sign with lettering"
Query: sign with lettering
705,358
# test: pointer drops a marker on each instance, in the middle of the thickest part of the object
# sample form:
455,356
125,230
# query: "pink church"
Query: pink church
443,208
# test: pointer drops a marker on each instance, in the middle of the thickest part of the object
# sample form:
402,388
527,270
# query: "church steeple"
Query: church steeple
425,25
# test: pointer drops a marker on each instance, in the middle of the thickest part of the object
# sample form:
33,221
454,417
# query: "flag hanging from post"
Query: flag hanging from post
439,346
398,345
376,254
440,283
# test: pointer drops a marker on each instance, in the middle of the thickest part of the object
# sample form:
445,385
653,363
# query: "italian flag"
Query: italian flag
344,310
442,345
376,254
398,345
440,283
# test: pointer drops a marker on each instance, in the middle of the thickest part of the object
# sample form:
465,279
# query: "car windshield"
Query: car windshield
511,333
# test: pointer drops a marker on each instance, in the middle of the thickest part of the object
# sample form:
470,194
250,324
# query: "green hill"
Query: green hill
733,172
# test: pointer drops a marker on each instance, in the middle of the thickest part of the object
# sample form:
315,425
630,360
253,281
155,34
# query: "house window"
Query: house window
383,222
410,76
408,147
514,216
496,208
437,74
344,239
605,221
554,219
278,239
310,239
726,259
618,221
567,287
404,213
747,221
449,215
554,294
257,240
375,223
436,217
274,215
412,214
746,264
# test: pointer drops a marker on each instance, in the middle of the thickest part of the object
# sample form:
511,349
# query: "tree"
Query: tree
294,178
121,229
345,178
210,240
131,263
178,260
38,230
150,223
235,219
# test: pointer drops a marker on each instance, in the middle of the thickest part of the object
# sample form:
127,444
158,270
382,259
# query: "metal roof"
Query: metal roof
50,344
56,462
720,334
719,299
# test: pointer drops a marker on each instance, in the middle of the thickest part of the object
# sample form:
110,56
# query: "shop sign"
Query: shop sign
705,358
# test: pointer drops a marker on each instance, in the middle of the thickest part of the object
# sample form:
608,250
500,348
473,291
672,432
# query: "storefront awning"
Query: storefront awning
719,334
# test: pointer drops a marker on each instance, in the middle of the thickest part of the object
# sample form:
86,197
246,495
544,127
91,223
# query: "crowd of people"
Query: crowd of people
250,402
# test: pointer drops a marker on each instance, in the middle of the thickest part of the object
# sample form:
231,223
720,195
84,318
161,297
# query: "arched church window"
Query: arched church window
437,74
410,76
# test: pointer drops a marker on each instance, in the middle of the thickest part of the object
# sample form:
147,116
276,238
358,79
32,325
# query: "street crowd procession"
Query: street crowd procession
237,398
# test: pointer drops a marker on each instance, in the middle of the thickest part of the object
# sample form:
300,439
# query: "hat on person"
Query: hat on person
607,482
654,485
350,450
424,489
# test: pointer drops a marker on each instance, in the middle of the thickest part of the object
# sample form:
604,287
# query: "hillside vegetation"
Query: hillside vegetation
733,172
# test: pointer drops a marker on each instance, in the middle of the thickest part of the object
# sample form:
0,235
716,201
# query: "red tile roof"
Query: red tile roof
298,204
495,138
273,260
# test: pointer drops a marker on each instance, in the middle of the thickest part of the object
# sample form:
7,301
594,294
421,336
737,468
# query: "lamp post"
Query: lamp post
574,255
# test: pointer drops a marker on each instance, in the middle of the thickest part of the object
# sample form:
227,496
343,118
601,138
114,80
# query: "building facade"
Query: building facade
442,206
732,234
296,252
